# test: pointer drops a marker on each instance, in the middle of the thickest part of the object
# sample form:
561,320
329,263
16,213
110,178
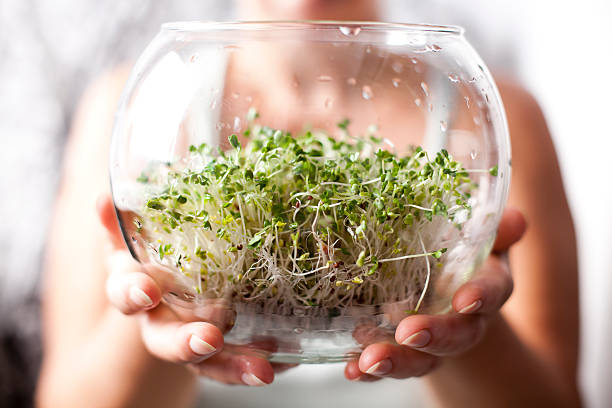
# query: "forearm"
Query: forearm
111,368
501,372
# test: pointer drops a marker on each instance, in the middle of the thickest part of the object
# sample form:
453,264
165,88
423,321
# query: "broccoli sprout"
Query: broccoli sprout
306,220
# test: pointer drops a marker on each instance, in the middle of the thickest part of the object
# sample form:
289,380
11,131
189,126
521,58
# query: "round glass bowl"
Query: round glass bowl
305,186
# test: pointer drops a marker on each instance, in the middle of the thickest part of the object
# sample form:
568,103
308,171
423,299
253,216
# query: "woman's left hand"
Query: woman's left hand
422,340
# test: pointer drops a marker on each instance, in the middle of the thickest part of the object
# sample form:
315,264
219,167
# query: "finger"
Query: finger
441,335
511,228
128,289
353,373
218,312
172,340
233,368
487,292
366,334
395,361
108,218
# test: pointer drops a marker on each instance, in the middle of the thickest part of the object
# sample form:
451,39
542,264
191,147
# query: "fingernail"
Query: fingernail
380,368
199,346
471,308
252,380
418,339
139,297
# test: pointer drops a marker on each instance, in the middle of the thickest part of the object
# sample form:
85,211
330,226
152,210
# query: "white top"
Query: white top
313,386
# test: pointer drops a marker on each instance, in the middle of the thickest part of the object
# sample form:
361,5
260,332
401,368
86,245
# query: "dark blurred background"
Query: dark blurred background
51,49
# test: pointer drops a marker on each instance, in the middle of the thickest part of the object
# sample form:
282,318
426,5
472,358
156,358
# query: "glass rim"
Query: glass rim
260,25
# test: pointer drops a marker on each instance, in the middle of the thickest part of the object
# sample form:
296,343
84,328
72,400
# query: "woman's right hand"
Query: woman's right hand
197,344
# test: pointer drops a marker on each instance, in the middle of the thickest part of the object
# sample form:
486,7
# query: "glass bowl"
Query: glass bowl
305,186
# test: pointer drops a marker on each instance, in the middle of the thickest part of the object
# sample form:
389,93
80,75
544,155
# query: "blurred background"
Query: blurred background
50,50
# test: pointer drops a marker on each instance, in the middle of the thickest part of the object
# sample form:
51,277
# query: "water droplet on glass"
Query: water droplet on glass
194,58
477,121
396,82
368,49
397,67
473,154
232,47
443,125
467,101
453,77
366,92
248,99
350,31
236,123
414,61
351,81
329,101
324,78
435,48
235,95
298,330
213,104
430,107
425,88
481,68
417,101
487,97
298,311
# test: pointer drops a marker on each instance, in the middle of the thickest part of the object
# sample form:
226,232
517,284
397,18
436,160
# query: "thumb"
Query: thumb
511,228
108,218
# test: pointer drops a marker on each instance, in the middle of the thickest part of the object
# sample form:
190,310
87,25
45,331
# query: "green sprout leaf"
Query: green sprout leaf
255,242
233,139
438,254
143,178
360,259
344,124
